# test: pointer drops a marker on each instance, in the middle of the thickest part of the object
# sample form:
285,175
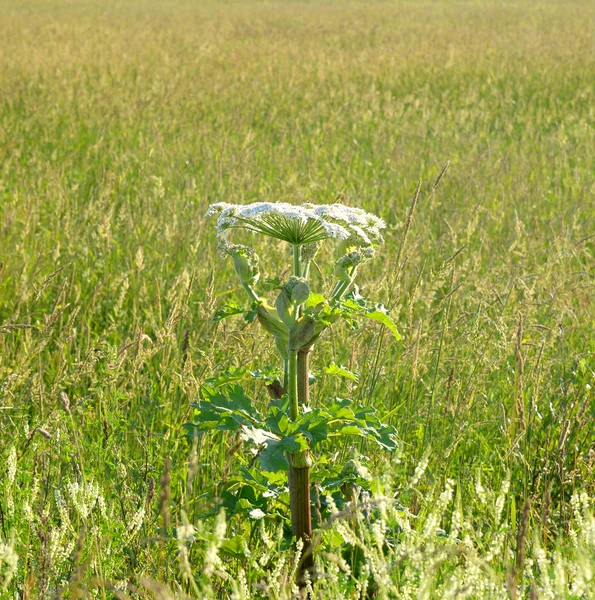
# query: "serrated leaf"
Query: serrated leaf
268,374
313,425
271,283
334,483
257,436
350,430
225,412
232,374
243,504
273,456
229,310
252,313
383,317
352,305
315,300
387,439
343,413
344,420
278,422
340,371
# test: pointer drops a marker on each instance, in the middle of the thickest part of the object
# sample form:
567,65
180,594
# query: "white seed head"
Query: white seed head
300,224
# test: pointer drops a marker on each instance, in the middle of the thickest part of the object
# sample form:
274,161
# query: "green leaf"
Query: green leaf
340,371
268,481
252,313
342,413
334,483
237,401
353,306
315,300
381,316
344,420
387,438
272,283
222,411
233,547
257,436
232,374
273,457
350,430
229,310
313,425
268,374
278,422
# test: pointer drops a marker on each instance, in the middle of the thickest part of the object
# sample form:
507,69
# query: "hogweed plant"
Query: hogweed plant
291,429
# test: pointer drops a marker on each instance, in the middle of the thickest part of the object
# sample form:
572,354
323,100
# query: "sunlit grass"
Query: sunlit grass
121,122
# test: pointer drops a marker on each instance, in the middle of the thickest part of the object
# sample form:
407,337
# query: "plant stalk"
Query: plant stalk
286,373
292,389
299,462
303,371
250,292
301,518
342,286
299,482
297,260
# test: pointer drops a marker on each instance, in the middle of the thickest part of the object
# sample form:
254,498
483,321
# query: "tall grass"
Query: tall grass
121,122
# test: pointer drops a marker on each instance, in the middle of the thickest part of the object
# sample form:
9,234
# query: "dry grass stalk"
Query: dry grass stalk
522,539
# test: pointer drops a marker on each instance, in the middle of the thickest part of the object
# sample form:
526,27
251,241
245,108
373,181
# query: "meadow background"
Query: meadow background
120,122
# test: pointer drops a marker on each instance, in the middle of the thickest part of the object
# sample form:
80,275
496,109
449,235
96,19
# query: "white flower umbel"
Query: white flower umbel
300,224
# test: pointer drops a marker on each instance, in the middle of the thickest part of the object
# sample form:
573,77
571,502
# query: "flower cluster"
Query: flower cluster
245,261
301,224
346,265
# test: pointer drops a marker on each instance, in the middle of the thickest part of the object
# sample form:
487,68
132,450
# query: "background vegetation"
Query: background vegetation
120,122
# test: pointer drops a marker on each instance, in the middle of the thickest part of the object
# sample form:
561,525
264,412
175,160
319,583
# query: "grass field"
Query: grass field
121,121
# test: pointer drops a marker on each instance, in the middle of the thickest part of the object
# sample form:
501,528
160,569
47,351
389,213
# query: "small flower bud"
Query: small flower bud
345,265
246,268
309,251
245,261
341,273
353,468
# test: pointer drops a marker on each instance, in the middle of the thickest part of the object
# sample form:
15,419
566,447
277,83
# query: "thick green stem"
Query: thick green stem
251,293
306,269
292,388
297,271
301,520
297,260
338,290
285,373
299,481
342,286
303,383
299,469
